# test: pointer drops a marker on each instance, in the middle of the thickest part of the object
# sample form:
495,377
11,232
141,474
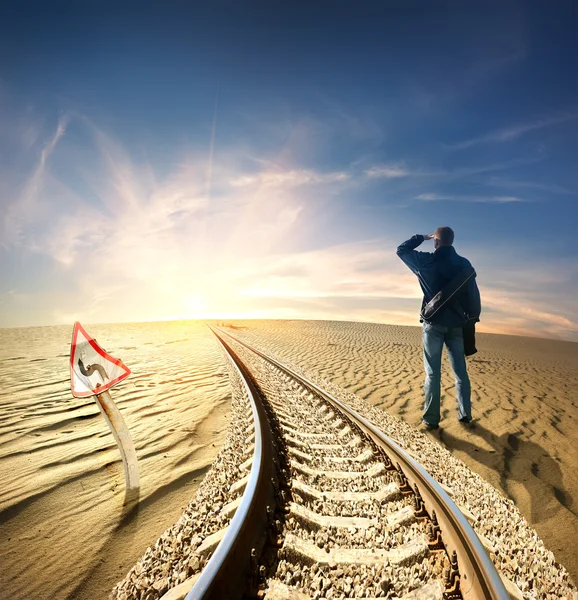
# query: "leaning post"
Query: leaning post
92,373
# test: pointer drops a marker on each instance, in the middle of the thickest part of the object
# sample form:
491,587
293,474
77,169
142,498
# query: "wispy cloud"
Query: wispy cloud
130,243
21,198
511,312
550,188
391,171
468,171
463,198
290,178
367,281
141,246
511,133
534,299
51,144
424,172
352,270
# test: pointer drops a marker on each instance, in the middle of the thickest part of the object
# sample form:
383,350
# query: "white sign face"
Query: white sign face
92,370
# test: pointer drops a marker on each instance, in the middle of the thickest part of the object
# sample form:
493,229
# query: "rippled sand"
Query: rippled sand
524,397
63,530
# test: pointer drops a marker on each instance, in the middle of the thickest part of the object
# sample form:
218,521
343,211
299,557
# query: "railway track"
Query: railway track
331,507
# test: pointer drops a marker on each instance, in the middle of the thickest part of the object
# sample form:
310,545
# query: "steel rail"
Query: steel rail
479,579
226,573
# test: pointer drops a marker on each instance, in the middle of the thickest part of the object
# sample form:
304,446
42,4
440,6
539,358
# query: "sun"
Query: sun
196,305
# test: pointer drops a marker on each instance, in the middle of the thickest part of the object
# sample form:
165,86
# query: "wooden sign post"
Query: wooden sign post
92,373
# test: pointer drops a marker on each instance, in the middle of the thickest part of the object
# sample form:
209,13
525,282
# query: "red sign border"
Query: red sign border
79,328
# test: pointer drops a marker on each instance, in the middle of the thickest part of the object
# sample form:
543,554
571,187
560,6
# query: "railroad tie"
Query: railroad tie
313,518
377,469
276,590
296,442
433,590
385,494
288,423
211,542
356,441
247,464
295,432
513,590
467,514
249,449
362,458
302,455
180,591
280,412
297,549
239,485
229,509
279,591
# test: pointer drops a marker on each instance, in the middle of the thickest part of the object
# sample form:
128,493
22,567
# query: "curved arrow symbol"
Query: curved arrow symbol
90,369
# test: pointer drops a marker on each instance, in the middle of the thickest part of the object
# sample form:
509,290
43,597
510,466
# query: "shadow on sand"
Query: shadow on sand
127,523
129,532
517,460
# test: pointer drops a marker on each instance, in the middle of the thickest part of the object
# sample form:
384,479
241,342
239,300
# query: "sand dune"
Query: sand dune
524,397
64,531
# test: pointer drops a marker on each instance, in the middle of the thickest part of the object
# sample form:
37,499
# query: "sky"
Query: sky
183,160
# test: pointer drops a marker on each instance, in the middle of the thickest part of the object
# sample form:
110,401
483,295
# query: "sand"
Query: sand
63,528
524,397
64,531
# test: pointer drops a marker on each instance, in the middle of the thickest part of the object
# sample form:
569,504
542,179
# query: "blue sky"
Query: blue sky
263,160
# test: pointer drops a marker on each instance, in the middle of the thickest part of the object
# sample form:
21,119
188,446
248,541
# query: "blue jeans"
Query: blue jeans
434,337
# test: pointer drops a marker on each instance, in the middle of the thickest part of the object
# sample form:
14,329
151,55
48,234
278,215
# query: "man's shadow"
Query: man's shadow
518,460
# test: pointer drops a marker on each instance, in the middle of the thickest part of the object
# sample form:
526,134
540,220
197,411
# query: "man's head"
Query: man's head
443,236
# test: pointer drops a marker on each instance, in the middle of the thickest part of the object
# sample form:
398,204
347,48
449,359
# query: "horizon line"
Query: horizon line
203,319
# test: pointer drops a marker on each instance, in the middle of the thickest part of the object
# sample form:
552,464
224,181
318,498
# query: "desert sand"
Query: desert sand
64,530
524,399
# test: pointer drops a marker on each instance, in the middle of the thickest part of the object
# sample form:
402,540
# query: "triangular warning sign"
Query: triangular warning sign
92,370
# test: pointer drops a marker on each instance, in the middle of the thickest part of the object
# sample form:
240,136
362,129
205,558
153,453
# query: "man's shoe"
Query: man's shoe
465,420
429,426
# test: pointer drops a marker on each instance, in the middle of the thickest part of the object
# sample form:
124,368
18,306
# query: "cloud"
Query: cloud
138,246
367,281
464,198
512,312
119,241
291,178
551,188
22,195
51,144
353,270
401,170
522,298
511,133
392,171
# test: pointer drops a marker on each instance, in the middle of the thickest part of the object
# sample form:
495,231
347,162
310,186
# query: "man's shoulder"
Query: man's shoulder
463,261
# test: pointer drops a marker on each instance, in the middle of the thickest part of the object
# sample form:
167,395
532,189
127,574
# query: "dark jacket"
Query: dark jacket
436,269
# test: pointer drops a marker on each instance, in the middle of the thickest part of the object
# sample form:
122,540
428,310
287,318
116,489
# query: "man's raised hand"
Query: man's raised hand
428,236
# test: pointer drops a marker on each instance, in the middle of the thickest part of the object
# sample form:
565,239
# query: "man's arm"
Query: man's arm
411,257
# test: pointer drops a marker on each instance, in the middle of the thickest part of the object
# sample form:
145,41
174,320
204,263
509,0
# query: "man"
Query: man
434,271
